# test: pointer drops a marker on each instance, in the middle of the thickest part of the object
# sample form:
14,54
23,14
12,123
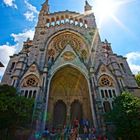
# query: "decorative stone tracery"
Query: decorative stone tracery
105,81
60,41
68,56
30,81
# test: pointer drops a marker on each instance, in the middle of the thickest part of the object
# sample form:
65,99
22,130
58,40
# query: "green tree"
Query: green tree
137,77
15,110
125,115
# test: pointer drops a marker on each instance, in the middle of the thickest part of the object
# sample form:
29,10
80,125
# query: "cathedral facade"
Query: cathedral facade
68,70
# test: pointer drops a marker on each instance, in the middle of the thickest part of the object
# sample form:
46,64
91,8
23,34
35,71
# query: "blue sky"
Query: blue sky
19,17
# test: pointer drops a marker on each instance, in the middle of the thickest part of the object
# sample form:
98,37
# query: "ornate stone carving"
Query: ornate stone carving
68,56
103,69
33,68
60,41
106,81
30,81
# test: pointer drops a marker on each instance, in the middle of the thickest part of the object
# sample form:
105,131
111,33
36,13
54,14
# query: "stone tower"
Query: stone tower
68,70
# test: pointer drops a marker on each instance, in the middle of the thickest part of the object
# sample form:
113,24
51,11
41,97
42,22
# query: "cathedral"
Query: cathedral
68,70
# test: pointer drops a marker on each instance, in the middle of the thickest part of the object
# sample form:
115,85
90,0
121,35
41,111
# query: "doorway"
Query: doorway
59,117
76,111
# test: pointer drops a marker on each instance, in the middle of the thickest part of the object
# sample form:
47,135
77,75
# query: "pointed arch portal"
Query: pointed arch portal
68,97
59,117
76,111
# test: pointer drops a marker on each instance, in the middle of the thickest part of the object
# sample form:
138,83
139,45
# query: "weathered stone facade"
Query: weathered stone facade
68,70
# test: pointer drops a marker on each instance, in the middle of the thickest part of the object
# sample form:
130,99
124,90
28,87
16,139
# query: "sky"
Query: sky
120,27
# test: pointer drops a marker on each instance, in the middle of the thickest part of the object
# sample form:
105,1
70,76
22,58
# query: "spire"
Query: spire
88,7
46,2
45,7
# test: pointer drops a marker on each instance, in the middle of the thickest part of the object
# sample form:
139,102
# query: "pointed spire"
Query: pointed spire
45,6
46,2
106,41
88,7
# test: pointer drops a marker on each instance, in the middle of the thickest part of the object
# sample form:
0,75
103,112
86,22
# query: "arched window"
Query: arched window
34,94
30,94
102,93
85,22
71,21
52,21
110,93
107,91
48,22
26,93
114,93
76,22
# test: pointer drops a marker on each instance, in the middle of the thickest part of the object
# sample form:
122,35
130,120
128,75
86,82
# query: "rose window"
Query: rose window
31,82
106,81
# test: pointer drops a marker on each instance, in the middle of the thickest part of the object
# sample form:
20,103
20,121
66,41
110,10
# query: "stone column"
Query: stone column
68,113
93,98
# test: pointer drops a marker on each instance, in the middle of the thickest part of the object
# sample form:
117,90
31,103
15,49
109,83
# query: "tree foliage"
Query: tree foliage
15,110
137,77
125,115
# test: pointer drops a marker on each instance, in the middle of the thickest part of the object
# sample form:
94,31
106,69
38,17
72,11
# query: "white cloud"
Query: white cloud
29,16
133,59
31,7
10,3
5,51
8,50
21,37
31,13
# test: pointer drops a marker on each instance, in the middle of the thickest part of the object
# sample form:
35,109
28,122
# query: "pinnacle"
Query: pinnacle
86,2
88,7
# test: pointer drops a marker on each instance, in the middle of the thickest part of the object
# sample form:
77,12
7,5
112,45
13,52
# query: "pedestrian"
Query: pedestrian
76,123
78,137
86,134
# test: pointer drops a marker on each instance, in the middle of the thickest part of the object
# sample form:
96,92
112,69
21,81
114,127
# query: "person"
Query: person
46,134
63,134
53,134
76,123
92,136
86,132
66,132
58,136
78,137
87,123
93,130
73,134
